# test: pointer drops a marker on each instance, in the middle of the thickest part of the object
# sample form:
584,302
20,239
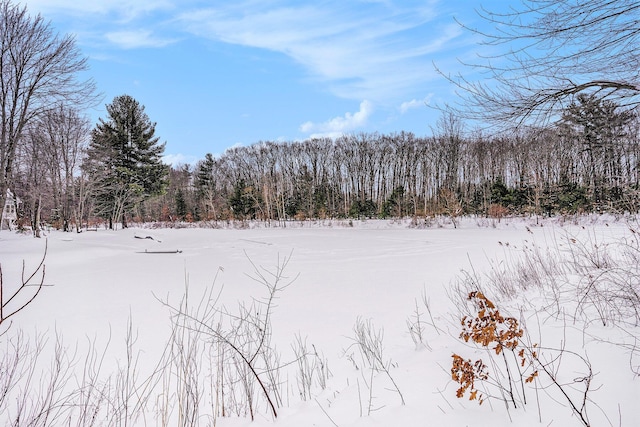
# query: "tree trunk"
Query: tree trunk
36,217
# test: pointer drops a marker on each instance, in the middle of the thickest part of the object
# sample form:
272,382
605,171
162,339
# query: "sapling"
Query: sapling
312,368
369,343
416,328
243,338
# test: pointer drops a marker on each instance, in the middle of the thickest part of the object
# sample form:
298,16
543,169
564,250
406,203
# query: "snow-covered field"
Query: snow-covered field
375,274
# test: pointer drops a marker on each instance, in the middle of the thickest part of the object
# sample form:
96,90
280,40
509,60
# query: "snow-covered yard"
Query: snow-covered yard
374,280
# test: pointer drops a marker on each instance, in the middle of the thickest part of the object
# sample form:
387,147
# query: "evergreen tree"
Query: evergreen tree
181,205
206,186
243,201
598,125
204,175
124,160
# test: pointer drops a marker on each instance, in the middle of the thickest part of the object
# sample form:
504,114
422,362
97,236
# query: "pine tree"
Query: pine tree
124,160
598,125
181,205
206,186
243,201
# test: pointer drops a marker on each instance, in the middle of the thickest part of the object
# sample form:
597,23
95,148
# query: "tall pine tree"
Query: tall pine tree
206,186
124,160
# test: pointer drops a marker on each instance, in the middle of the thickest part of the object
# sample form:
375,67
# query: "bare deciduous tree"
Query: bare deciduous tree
552,50
51,155
66,133
40,69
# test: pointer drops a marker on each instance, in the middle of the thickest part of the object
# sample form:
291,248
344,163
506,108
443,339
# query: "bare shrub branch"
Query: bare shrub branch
369,343
243,339
6,309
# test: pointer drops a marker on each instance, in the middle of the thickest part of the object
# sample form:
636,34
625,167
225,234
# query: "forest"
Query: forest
587,162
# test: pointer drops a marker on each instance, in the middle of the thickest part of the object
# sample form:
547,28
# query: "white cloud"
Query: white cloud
380,51
179,159
122,23
124,9
415,103
136,39
338,125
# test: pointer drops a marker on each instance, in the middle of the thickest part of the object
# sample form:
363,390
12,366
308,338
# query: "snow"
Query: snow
374,271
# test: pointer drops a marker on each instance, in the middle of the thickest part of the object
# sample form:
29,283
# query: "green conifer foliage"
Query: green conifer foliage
124,160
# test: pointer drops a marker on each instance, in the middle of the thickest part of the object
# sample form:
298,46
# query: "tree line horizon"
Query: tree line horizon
587,162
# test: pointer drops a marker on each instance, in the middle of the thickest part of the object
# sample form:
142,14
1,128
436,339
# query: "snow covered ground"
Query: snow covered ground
375,274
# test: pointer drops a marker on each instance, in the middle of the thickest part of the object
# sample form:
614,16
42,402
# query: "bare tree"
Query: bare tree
448,132
39,70
35,185
57,139
552,50
67,133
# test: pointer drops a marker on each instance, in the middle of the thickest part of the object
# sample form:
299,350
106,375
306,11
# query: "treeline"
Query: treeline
587,162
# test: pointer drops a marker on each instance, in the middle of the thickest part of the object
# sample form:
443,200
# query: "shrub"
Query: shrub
499,335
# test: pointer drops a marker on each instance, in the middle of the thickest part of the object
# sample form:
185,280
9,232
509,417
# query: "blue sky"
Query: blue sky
216,74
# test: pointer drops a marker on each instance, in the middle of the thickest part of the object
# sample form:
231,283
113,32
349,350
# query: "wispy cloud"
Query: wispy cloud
123,10
378,51
120,24
137,39
381,50
339,125
415,103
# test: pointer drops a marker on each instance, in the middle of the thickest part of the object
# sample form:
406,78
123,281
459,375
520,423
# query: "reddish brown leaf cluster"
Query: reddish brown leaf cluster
465,372
492,330
489,326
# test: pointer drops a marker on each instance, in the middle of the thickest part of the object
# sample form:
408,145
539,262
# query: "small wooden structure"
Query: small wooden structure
9,214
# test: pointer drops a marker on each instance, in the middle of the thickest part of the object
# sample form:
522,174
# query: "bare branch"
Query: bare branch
26,283
553,50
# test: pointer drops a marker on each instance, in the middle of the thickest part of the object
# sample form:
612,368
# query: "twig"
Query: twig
325,412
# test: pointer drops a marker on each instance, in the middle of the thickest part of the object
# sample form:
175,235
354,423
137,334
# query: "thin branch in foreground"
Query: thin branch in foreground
5,312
